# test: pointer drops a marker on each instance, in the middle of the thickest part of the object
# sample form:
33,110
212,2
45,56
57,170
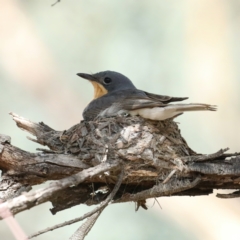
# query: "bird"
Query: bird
115,94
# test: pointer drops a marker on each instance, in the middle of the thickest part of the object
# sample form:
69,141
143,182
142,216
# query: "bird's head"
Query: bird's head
107,82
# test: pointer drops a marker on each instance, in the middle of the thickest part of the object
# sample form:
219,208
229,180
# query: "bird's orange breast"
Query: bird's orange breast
99,90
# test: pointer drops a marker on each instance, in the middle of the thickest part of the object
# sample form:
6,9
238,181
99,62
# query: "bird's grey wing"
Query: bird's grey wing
140,99
163,98
137,103
128,104
112,104
128,100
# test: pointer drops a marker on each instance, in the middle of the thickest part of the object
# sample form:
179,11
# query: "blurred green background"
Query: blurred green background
179,48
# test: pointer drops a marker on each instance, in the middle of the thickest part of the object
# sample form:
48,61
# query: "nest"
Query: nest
148,150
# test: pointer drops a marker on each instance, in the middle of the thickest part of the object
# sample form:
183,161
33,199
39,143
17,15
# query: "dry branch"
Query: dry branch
29,200
85,159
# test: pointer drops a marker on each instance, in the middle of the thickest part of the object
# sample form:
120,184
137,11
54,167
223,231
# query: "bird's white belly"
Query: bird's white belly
156,113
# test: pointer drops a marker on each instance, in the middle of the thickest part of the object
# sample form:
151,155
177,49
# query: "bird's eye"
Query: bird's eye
107,80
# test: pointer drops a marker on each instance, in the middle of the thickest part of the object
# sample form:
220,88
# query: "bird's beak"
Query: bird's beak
99,89
86,76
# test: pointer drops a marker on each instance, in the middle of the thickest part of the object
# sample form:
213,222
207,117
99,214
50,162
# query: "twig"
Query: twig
161,189
84,229
32,199
101,206
169,176
58,1
205,157
235,194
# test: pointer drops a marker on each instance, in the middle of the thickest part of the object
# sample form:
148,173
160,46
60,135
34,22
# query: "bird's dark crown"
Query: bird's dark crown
110,80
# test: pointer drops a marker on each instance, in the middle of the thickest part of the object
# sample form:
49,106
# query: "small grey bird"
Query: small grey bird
115,94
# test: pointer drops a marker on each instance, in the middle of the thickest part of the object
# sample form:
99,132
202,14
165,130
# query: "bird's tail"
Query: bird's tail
192,107
171,110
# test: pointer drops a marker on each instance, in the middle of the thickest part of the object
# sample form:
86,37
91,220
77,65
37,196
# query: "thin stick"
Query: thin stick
84,229
235,194
205,157
58,1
